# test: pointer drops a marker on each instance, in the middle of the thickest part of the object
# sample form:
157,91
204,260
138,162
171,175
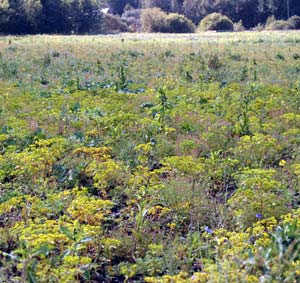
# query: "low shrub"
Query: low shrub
176,23
278,25
216,22
270,20
273,24
294,22
239,26
155,20
258,27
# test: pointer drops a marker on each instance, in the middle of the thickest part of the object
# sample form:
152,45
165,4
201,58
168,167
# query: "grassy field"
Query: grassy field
150,158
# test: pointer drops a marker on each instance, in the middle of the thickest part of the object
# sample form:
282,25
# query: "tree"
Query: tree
56,17
117,6
217,22
176,6
85,15
13,17
33,12
163,5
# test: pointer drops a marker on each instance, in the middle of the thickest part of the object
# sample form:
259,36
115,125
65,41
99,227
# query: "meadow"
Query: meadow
150,158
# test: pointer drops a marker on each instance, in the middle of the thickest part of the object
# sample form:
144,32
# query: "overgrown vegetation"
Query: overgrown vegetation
112,16
150,158
217,22
292,23
155,20
251,12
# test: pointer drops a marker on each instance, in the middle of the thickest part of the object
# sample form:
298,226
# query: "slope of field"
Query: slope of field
150,158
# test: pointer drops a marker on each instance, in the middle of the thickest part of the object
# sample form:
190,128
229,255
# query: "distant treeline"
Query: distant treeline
251,12
48,16
86,16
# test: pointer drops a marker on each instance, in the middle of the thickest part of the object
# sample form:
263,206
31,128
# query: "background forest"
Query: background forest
87,16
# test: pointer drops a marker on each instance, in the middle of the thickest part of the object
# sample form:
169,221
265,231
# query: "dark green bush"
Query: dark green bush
155,20
176,23
294,22
217,22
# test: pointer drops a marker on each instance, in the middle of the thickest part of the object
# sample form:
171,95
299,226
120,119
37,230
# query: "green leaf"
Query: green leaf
67,232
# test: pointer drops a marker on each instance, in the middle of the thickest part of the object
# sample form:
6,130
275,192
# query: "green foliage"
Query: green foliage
278,25
155,20
258,196
55,16
257,150
294,22
280,260
176,23
150,158
217,22
273,24
112,24
117,6
85,16
239,26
